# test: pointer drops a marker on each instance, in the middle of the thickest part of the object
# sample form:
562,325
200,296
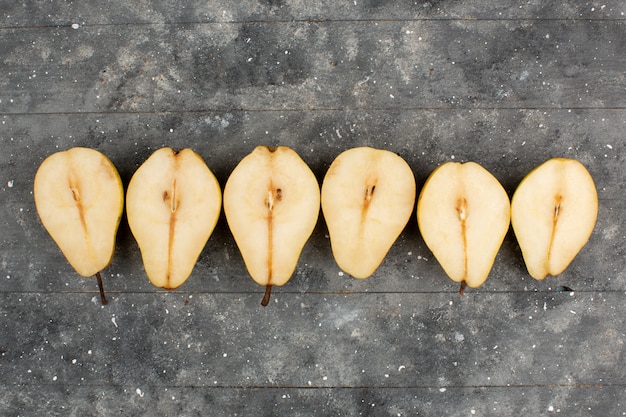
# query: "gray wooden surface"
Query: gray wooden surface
502,83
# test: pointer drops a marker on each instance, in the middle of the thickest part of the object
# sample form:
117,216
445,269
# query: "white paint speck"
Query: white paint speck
225,355
113,321
75,26
10,184
607,145
442,389
139,392
340,273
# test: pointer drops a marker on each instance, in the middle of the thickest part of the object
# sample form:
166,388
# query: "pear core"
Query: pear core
271,202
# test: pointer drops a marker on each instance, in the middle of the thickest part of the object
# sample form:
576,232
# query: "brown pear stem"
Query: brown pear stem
103,299
462,288
266,297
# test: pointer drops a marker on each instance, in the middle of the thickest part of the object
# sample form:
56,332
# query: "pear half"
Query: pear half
463,213
173,203
368,196
80,199
553,213
271,202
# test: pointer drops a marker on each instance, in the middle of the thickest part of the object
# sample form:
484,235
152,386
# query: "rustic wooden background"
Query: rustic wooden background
503,83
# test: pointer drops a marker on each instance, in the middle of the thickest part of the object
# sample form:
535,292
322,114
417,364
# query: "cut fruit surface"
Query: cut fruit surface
79,197
463,213
173,203
271,203
553,213
368,196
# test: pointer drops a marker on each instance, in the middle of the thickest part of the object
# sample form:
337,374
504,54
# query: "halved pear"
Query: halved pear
80,198
271,202
367,198
463,213
173,203
553,213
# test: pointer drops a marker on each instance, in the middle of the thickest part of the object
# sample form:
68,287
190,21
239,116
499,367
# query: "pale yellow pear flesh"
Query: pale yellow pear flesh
368,196
80,199
271,203
463,213
553,213
173,203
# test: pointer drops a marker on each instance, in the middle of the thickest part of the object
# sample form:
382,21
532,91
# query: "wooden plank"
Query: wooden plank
314,65
78,400
507,142
45,13
315,340
505,84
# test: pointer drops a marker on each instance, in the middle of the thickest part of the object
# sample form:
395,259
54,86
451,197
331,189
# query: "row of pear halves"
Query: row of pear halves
272,201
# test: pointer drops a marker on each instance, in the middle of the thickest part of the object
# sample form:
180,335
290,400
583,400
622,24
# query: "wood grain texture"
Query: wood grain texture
499,83
314,65
120,12
319,340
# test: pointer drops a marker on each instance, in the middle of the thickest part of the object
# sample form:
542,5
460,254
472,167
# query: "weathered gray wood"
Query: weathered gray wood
315,340
79,401
314,65
376,354
507,142
46,13
505,84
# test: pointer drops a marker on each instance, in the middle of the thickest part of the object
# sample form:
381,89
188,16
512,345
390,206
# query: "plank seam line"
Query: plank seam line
312,110
324,387
319,293
316,21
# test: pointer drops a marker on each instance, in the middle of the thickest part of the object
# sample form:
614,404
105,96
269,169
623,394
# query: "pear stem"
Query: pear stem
462,288
103,299
266,297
